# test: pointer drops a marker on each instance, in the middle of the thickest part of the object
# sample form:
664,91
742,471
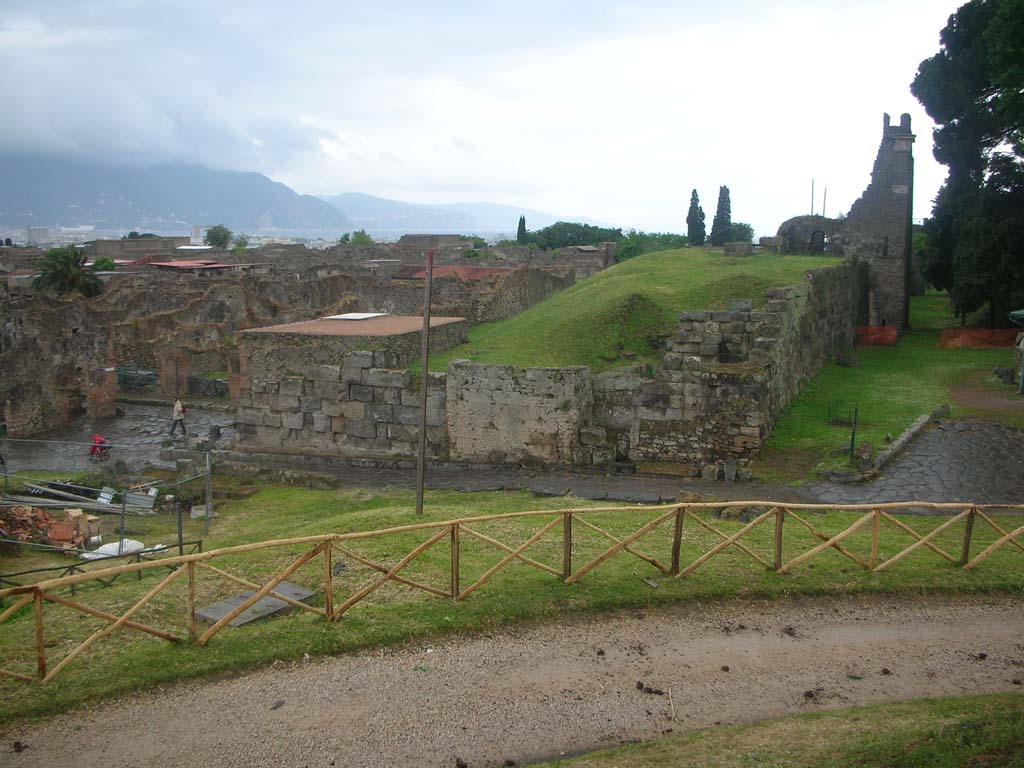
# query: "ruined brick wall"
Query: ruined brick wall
729,373
356,406
498,414
878,227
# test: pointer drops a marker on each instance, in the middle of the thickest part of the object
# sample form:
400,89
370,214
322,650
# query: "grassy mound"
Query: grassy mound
622,314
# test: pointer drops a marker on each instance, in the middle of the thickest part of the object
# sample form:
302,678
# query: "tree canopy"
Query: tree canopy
721,226
695,229
361,237
521,231
973,89
63,271
218,236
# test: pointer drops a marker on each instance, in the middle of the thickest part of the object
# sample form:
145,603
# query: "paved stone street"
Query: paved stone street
135,438
954,461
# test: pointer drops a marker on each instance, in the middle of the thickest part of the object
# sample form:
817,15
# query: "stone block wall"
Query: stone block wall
498,414
355,406
723,380
729,373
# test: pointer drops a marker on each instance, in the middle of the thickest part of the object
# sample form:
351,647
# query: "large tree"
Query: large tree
63,270
973,89
721,226
695,229
521,231
218,236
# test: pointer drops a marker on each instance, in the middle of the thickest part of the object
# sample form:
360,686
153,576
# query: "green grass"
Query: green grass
934,312
622,314
892,387
130,660
955,732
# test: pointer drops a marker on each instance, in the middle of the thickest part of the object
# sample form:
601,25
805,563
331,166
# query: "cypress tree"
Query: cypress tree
521,232
695,230
721,227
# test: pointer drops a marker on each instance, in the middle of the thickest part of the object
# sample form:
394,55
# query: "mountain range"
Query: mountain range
169,199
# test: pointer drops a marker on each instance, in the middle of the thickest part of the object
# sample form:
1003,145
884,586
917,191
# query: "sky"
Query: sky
610,110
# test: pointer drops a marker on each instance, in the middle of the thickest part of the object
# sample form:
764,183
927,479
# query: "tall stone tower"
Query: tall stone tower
878,227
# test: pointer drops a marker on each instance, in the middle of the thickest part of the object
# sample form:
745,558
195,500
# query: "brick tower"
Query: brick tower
878,227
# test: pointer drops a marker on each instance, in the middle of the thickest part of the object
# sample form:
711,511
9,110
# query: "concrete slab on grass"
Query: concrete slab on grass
265,606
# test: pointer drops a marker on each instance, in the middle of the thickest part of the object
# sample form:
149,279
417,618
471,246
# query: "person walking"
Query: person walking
178,418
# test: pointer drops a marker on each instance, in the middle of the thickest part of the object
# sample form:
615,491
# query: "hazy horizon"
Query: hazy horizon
611,111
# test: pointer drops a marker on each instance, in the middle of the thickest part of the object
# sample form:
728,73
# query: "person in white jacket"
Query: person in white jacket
178,417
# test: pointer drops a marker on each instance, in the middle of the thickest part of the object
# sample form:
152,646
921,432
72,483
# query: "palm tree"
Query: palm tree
63,271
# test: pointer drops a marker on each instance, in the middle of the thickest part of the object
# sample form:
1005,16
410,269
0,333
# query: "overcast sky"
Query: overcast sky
611,110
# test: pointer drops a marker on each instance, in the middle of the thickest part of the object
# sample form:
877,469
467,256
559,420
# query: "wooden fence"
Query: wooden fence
327,546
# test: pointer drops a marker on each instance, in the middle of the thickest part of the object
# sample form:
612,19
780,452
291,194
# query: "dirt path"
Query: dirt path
556,688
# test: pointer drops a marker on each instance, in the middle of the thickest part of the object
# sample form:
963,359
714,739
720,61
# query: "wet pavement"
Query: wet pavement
135,438
954,461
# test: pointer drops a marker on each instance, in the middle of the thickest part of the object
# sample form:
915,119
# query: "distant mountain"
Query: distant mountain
380,215
52,191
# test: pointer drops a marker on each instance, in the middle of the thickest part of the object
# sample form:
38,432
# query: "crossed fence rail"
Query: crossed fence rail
327,545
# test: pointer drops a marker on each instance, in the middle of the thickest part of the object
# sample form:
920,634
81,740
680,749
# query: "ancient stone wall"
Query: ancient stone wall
498,414
879,226
729,373
356,405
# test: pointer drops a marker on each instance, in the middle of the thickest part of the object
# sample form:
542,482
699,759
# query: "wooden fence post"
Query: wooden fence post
677,541
37,599
455,560
566,545
328,580
875,523
965,552
191,600
780,517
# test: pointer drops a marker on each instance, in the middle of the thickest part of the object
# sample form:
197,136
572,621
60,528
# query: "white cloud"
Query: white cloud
613,111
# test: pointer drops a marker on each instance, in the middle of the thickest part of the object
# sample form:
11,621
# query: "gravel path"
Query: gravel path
560,687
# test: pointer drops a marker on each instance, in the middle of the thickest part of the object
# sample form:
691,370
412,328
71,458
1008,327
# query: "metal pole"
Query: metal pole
209,495
181,536
824,200
425,359
124,512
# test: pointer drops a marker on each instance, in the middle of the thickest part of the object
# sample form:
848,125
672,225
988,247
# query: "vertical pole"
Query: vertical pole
566,545
965,552
37,599
181,532
875,522
853,433
425,359
780,517
191,617
455,561
677,540
328,581
824,199
812,197
209,495
124,513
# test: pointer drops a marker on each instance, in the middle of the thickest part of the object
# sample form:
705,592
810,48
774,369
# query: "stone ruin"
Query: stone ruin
877,230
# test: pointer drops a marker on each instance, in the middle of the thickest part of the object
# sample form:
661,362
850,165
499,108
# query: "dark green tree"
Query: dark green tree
695,229
721,225
105,264
63,271
344,239
361,237
973,89
521,232
741,232
218,236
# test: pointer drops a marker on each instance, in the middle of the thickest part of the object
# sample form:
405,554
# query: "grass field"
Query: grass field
892,387
130,660
956,732
621,314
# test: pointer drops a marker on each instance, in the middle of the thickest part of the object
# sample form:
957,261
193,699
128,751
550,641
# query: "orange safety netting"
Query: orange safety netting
877,335
977,338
